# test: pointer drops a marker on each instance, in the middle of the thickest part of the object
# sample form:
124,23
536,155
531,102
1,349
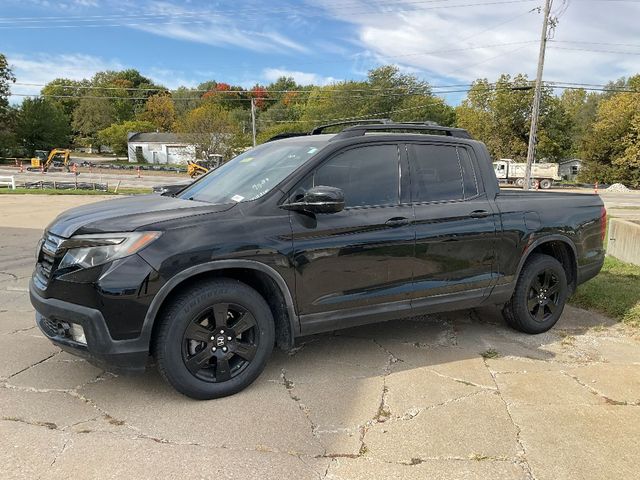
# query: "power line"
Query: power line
512,87
595,51
258,13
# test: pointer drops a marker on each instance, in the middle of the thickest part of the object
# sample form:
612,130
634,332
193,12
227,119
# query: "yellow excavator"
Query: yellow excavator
58,157
200,167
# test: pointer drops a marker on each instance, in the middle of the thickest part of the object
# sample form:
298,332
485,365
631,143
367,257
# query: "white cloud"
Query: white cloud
214,28
39,69
34,71
302,78
461,43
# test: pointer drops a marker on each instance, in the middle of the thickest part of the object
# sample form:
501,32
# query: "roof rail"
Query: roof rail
413,127
318,130
280,136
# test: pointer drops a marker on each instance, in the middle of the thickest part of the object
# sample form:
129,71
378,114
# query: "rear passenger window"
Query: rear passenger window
368,175
469,180
441,173
435,173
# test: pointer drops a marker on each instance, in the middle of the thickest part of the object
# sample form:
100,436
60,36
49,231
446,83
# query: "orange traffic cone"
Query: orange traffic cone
21,168
138,169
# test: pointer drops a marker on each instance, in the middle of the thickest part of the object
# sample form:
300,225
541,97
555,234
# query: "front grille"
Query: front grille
48,256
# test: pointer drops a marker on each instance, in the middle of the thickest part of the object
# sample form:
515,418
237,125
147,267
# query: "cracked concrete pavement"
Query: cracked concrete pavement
451,396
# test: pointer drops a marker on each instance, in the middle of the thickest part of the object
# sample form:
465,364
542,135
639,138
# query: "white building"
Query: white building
569,169
160,148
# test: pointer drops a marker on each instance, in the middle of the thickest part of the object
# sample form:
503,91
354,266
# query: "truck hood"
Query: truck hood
127,214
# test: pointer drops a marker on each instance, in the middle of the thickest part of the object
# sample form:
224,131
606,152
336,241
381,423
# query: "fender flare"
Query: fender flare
546,239
167,288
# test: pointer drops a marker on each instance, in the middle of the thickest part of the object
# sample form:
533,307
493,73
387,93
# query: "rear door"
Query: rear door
455,225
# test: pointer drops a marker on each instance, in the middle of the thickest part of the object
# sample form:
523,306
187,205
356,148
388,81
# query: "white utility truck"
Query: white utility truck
510,172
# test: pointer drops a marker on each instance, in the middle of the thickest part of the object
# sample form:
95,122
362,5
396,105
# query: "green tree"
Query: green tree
91,116
581,109
128,91
66,93
7,114
160,110
500,116
185,99
211,129
117,135
612,148
42,125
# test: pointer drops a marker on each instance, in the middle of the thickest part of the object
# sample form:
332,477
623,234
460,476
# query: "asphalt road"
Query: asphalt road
435,397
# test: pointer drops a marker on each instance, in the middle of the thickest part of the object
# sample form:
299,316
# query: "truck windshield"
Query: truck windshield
253,173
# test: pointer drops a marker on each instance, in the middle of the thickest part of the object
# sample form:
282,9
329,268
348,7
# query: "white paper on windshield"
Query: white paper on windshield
237,198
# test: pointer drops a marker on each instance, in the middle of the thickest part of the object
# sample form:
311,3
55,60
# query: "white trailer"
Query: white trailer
511,172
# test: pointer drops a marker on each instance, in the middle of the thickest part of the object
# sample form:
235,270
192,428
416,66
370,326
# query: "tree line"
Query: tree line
600,127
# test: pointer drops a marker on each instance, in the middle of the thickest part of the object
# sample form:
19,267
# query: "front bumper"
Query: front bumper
121,356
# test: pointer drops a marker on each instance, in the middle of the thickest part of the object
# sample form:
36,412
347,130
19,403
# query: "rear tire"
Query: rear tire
539,297
214,339
520,182
545,184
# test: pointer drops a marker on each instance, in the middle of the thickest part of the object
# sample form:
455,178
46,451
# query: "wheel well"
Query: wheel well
259,281
562,252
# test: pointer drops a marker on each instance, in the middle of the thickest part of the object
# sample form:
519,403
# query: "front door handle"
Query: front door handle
397,221
479,214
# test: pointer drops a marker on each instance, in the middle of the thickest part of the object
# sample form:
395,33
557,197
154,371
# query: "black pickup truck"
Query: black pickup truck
302,235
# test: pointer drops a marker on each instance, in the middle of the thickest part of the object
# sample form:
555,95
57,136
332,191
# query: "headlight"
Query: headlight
85,251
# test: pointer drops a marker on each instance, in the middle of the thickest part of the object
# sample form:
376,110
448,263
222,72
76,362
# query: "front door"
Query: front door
455,226
357,262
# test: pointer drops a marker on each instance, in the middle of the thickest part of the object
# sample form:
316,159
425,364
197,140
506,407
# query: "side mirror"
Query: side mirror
319,199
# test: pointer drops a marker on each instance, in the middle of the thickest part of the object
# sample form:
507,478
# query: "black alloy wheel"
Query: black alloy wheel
214,338
220,343
539,297
544,295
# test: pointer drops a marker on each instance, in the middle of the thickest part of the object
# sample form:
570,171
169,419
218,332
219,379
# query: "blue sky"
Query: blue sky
245,42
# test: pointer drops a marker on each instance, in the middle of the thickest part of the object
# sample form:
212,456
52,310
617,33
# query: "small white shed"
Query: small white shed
569,169
159,148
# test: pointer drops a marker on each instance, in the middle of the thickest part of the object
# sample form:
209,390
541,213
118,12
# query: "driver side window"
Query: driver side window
368,176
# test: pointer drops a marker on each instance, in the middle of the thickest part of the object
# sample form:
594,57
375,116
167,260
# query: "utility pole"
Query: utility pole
253,119
531,152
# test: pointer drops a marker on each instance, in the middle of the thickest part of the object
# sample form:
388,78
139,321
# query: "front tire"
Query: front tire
214,339
539,297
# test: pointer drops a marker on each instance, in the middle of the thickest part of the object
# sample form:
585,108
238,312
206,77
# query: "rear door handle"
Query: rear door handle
479,214
397,221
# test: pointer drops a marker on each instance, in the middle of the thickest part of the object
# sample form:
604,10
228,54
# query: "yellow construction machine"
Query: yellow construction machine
200,167
58,157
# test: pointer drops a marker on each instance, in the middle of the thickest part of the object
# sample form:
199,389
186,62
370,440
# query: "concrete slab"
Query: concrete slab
21,351
544,388
444,469
267,416
11,321
56,410
101,455
618,350
57,373
588,442
616,383
413,390
28,451
475,426
462,364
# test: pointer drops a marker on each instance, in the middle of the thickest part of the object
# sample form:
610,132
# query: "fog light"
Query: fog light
77,333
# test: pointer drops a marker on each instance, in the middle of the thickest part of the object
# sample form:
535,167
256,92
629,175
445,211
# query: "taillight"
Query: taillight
603,223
